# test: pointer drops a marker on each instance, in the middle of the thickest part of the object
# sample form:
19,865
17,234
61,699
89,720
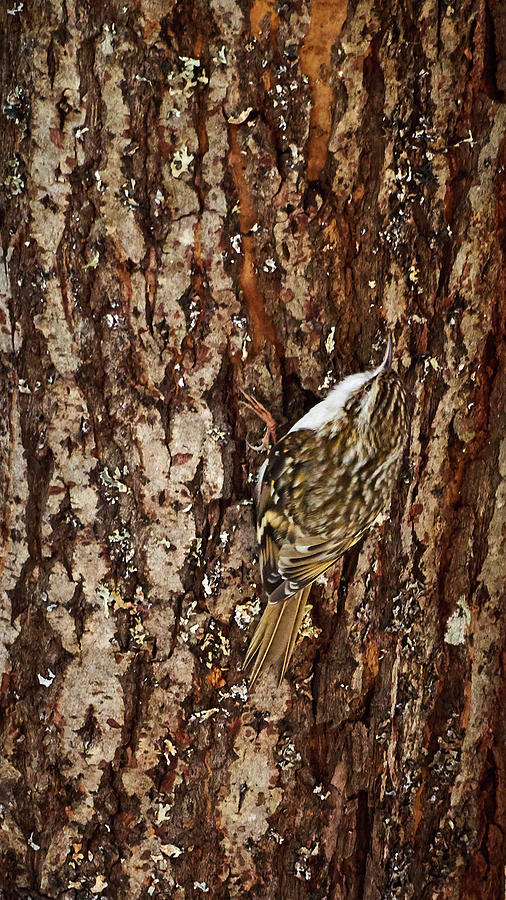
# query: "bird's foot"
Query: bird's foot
266,417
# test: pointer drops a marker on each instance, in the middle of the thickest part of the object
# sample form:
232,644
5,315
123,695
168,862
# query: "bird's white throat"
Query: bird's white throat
332,406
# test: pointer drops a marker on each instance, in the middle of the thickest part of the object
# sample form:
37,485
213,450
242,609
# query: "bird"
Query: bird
321,488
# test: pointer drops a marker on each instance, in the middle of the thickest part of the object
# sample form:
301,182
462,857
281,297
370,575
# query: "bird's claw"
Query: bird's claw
266,417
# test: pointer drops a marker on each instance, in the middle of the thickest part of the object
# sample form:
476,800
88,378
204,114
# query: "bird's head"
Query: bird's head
364,398
378,403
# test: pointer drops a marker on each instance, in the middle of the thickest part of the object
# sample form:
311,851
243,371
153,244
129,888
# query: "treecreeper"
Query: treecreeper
323,485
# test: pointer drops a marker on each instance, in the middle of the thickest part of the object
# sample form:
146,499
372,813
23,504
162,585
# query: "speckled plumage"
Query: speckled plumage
323,485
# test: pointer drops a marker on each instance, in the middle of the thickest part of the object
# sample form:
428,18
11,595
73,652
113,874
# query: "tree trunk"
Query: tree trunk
198,198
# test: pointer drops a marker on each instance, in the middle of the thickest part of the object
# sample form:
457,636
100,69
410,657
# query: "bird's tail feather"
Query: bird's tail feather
275,635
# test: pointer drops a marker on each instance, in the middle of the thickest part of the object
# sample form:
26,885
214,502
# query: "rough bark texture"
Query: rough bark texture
198,197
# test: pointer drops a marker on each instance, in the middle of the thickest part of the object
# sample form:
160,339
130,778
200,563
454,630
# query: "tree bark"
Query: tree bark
199,198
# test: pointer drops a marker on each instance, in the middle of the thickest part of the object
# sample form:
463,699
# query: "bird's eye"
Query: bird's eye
368,387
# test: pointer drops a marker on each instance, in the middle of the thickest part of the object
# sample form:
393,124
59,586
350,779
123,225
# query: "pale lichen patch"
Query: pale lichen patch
457,626
97,675
254,764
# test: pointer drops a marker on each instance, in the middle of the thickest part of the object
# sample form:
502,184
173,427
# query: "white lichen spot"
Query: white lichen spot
204,714
307,629
327,381
217,435
431,363
244,346
469,139
222,55
214,646
32,844
296,156
302,867
200,886
245,612
163,813
114,321
13,107
126,194
457,626
169,751
191,74
289,756
99,886
239,691
269,265
181,162
194,314
122,550
113,481
318,790
275,836
302,871
240,117
111,598
93,262
330,343
235,241
104,594
15,182
184,622
47,682
171,850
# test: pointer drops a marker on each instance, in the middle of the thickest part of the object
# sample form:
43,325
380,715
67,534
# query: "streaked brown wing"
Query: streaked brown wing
290,559
302,558
270,527
273,520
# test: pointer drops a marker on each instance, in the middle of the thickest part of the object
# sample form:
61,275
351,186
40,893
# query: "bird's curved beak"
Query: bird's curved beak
389,352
